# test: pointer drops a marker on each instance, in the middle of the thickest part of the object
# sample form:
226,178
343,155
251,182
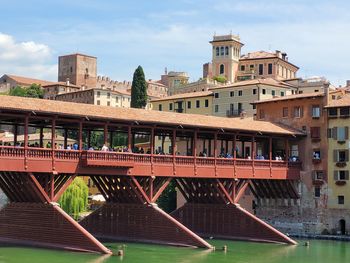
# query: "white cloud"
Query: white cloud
28,59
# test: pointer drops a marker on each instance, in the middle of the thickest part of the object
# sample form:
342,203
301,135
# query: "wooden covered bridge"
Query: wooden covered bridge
212,161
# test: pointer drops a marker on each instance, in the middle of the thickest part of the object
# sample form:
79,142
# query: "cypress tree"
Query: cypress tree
138,89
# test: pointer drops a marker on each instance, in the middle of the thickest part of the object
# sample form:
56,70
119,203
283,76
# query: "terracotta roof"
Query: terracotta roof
140,115
123,92
155,82
262,55
262,81
29,81
186,95
296,96
344,101
61,83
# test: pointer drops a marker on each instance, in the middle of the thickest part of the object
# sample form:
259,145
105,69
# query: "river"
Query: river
239,252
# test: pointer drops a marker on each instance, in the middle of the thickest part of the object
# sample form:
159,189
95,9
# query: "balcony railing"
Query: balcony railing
234,113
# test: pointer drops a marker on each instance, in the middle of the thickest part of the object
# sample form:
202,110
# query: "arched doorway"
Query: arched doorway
342,226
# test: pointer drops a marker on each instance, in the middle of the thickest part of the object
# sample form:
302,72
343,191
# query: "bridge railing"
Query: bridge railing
117,158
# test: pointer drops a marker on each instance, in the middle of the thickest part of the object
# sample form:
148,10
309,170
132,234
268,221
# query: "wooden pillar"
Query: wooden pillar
215,144
287,150
41,144
129,138
89,138
253,147
194,149
111,139
270,148
105,134
65,138
81,135
234,146
53,133
173,142
26,124
152,141
243,150
15,133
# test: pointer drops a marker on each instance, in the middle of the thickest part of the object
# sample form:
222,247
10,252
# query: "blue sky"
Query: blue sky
172,34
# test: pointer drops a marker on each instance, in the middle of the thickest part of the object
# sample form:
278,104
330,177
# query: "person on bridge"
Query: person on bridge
104,148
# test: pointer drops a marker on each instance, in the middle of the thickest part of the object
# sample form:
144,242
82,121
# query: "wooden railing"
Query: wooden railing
120,157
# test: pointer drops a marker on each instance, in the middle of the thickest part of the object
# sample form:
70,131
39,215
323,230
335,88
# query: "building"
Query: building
103,97
78,69
174,80
304,112
8,82
233,99
155,89
262,64
226,52
52,90
309,85
338,171
195,103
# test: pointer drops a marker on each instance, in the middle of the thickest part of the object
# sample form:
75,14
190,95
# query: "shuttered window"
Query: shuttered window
315,132
341,155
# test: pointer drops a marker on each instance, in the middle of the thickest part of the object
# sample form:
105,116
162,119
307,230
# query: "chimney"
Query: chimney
67,82
348,83
326,92
284,55
278,54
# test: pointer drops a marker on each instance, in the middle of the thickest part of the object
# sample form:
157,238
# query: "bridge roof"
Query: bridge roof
142,116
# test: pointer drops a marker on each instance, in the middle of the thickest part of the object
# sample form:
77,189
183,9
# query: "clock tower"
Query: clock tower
78,69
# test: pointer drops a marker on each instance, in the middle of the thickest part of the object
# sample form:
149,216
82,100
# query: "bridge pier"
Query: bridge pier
130,213
212,210
33,218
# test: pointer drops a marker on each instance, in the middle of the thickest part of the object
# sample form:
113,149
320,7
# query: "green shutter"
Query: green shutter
335,155
335,133
346,132
347,175
329,133
335,174
346,155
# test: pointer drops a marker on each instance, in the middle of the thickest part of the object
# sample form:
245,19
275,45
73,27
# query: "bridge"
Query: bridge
212,161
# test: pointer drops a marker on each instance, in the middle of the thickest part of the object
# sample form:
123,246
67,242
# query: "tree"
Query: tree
74,199
138,89
167,200
221,79
34,91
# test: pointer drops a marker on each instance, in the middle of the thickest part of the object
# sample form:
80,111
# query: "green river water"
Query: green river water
238,252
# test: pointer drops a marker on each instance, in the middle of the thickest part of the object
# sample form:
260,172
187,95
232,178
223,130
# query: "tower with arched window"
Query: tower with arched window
225,56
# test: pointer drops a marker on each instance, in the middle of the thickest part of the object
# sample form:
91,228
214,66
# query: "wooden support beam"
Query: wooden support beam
39,189
241,191
224,191
160,190
63,188
141,191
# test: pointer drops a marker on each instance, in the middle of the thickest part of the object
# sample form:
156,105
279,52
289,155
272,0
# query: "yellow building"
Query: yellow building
338,162
200,102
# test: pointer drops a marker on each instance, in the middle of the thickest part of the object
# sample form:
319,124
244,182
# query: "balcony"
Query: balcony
180,110
234,113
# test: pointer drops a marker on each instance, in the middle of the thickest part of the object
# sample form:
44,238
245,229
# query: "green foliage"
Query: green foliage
138,89
74,199
167,200
221,79
34,91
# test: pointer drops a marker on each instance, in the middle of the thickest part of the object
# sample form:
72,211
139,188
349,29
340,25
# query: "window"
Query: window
71,69
316,113
341,200
316,155
269,68
297,112
226,51
108,95
264,91
222,69
242,67
343,175
317,191
216,95
318,175
285,112
254,106
332,112
251,67
342,133
282,93
170,106
261,114
108,103
261,69
98,94
232,93
206,103
160,107
341,156
216,108
198,103
222,51
273,92
189,105
116,99
344,111
98,102
240,92
254,91
315,132
217,51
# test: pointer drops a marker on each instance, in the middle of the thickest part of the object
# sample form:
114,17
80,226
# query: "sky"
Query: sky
171,33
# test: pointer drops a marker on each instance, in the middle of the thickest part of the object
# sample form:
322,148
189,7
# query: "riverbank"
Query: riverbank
321,237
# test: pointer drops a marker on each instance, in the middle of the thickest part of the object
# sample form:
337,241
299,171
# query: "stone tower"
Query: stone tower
78,69
226,53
